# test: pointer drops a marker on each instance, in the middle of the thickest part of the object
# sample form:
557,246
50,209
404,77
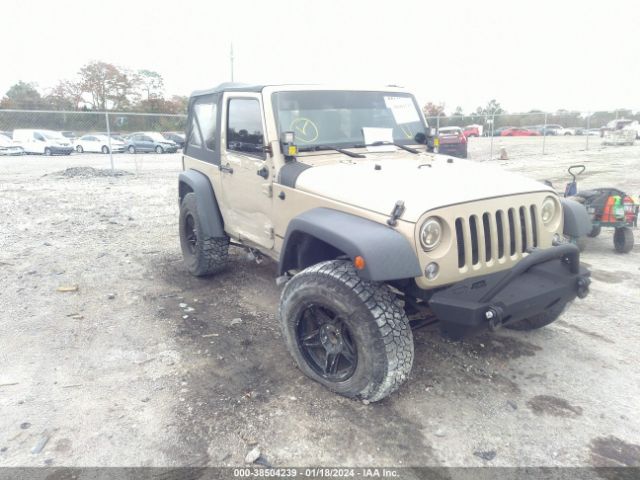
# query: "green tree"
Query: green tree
492,108
108,86
151,83
23,95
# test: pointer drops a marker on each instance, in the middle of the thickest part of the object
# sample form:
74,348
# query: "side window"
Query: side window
38,137
206,113
244,126
195,140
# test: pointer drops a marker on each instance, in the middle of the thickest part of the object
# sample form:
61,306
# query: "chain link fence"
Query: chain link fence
539,133
75,124
514,135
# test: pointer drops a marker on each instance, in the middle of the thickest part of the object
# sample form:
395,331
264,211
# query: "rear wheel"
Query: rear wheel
623,239
538,321
105,149
350,335
79,149
131,149
202,255
47,151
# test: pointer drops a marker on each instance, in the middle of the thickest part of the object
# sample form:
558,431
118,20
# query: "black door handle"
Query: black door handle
226,168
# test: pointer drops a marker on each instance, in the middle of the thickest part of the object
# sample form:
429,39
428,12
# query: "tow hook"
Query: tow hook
583,287
494,316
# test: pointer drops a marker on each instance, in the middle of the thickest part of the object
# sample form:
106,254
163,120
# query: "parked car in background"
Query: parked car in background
46,142
70,135
99,143
452,142
472,131
617,124
555,129
149,142
177,137
592,132
519,132
635,126
498,131
9,147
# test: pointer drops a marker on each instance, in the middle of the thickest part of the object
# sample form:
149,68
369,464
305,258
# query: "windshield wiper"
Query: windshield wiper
329,147
381,144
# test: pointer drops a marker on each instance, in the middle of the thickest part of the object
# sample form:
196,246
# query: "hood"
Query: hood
422,188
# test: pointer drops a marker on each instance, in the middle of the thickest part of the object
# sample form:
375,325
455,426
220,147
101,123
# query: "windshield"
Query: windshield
53,136
337,118
156,136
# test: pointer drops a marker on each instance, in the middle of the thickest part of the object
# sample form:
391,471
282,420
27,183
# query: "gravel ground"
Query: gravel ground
114,356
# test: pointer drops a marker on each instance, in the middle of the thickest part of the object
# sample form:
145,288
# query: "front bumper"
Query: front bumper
541,280
60,150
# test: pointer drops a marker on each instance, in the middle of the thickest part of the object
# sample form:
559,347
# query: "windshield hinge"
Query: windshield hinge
398,210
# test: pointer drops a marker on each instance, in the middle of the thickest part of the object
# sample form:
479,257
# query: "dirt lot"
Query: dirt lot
145,365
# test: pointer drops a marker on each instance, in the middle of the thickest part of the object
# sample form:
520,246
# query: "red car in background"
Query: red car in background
518,132
452,142
471,131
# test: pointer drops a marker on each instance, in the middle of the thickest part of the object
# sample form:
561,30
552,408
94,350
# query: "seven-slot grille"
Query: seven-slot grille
492,236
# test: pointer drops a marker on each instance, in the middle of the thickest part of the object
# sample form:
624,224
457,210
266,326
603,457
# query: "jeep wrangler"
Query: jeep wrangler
374,234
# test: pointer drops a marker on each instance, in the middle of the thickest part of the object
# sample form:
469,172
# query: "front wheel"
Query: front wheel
131,149
623,239
159,149
47,152
105,149
79,149
350,335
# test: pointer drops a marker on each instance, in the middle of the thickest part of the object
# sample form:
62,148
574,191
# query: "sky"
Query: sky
548,55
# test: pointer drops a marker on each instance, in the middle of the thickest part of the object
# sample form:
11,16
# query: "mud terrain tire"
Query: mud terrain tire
202,256
371,332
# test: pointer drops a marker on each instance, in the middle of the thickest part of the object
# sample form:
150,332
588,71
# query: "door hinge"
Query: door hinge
269,230
267,189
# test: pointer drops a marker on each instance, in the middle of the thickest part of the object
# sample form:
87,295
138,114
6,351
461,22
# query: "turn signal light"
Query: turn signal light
359,263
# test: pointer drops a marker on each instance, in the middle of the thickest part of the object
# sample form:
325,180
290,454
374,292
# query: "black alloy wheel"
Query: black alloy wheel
326,343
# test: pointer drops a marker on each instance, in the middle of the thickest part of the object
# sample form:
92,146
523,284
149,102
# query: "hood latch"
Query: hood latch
398,210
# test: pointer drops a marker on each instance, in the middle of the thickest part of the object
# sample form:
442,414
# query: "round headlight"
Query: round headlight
430,233
548,211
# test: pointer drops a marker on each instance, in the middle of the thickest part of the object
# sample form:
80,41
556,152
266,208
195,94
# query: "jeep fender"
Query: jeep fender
577,222
322,234
211,221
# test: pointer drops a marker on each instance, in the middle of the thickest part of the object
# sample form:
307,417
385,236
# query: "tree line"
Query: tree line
98,86
494,110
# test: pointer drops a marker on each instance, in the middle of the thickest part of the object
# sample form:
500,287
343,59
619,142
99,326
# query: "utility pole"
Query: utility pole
231,59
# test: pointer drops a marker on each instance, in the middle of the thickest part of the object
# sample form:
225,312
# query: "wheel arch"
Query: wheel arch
192,181
325,234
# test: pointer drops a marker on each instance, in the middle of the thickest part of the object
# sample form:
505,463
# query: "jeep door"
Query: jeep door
247,203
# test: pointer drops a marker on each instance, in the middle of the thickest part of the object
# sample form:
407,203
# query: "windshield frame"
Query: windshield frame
352,143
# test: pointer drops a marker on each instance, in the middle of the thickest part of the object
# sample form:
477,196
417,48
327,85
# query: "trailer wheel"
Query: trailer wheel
623,239
595,231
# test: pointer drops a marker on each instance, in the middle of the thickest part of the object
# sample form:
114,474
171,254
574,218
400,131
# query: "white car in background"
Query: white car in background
9,147
47,142
98,143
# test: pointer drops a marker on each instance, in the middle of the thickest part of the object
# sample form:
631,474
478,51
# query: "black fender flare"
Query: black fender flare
387,253
211,221
577,221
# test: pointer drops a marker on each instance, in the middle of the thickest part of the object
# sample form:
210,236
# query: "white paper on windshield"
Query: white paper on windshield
403,109
373,135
